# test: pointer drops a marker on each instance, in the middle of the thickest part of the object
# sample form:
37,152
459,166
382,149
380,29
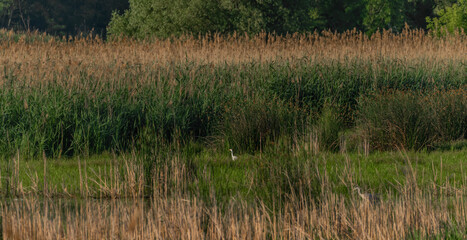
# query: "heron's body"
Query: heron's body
233,157
373,198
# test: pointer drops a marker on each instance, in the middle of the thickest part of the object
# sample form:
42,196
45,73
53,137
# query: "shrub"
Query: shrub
449,114
327,129
413,120
250,124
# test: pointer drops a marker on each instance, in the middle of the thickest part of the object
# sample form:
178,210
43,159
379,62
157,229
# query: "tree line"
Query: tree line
59,17
162,18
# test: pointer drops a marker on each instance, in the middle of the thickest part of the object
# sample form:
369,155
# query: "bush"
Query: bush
449,114
250,124
162,19
328,128
149,18
413,120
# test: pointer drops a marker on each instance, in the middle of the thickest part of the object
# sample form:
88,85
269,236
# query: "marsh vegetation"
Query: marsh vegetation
130,139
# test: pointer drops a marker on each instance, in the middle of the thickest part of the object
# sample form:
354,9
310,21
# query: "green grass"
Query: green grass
449,233
269,175
383,171
60,173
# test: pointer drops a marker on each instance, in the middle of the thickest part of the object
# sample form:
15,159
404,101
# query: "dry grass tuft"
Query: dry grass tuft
333,217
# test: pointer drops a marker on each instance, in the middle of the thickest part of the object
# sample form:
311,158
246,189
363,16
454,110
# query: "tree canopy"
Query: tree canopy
161,18
450,18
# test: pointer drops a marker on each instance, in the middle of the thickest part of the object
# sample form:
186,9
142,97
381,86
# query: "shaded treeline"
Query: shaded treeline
162,18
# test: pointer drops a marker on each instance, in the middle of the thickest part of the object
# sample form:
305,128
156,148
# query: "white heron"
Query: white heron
373,198
233,157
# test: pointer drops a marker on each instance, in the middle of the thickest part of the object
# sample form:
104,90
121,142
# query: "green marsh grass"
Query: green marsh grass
193,102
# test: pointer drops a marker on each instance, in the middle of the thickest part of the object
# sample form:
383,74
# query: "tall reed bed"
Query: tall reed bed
236,48
83,95
406,211
179,218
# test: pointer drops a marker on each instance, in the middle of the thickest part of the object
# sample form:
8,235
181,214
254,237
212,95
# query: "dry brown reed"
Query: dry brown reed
406,211
45,60
180,217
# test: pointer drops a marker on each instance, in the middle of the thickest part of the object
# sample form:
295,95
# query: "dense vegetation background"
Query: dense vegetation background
404,90
143,18
315,113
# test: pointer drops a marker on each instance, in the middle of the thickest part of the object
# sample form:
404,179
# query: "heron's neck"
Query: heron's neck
359,193
231,152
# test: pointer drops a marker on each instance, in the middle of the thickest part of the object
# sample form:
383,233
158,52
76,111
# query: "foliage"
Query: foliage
410,120
281,193
4,6
337,15
451,18
381,14
148,18
163,19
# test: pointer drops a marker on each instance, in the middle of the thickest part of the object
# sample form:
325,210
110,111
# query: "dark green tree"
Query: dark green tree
5,8
159,18
58,17
338,15
383,14
370,15
416,11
